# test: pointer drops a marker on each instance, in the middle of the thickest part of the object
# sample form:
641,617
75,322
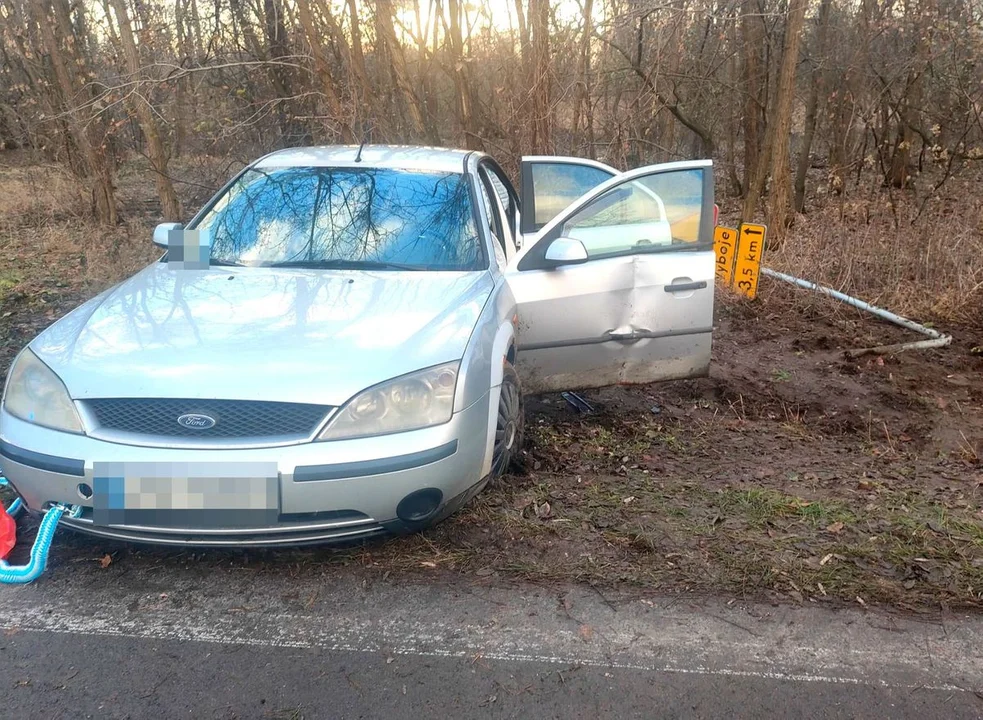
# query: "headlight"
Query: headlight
35,394
410,402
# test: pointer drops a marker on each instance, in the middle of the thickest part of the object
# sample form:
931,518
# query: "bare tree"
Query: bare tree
885,94
71,70
816,85
156,149
780,192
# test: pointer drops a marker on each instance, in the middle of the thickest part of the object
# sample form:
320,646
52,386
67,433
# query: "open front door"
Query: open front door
618,286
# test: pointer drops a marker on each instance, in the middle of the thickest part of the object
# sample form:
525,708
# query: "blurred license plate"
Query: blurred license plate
187,495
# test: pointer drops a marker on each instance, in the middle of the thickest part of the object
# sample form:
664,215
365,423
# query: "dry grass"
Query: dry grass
916,253
36,194
46,230
926,267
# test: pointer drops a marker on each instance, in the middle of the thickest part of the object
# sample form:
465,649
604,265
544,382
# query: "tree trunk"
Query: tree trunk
521,136
84,134
752,33
542,78
156,150
462,90
281,76
253,44
425,74
582,111
812,106
323,71
364,98
911,102
734,119
780,191
393,56
775,154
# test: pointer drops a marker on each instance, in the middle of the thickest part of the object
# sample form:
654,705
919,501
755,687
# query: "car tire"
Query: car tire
510,425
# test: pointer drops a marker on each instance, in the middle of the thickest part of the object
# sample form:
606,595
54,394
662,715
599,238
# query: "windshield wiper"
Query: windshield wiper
340,264
224,263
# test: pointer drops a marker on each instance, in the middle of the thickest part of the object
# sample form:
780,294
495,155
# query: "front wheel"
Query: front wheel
510,424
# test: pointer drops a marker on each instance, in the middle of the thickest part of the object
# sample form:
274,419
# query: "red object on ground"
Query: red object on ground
8,533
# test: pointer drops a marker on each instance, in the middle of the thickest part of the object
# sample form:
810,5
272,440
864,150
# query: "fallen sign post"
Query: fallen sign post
936,339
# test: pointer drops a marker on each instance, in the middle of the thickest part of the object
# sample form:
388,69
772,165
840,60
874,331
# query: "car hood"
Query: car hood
292,335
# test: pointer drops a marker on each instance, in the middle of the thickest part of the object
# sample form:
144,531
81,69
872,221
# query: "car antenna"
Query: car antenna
366,130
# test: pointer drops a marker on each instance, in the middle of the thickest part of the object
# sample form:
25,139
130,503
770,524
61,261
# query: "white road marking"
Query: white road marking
787,645
74,627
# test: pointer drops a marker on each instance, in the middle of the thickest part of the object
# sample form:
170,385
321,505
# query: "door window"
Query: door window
556,185
652,212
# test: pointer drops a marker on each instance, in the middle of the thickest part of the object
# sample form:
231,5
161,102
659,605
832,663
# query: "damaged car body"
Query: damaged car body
351,360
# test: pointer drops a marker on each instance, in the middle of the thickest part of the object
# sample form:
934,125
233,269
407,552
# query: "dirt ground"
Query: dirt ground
791,473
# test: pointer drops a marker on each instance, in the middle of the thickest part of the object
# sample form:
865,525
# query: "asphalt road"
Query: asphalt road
166,640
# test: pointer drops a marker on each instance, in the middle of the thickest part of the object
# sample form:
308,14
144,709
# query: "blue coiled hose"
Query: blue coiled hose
16,505
18,574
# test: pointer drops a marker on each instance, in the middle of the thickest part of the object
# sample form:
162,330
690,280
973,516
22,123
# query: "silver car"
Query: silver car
338,343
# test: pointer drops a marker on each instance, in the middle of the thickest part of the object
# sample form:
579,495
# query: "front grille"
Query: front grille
233,418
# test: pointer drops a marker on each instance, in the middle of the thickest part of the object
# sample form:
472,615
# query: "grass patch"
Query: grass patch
9,279
902,549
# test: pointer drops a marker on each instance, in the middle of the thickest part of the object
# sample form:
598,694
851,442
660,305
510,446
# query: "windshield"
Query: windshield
345,217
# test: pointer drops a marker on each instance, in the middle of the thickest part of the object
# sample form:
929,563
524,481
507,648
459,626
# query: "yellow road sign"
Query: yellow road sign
750,247
724,245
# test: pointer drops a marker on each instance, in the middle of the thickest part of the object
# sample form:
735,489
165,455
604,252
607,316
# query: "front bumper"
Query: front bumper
329,491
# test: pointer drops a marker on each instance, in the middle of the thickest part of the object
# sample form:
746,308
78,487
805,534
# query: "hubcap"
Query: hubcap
509,439
507,427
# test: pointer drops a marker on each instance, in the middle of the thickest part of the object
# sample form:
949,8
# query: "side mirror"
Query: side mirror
566,251
163,232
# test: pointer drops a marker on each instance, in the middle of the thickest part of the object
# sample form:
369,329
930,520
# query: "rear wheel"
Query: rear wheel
510,424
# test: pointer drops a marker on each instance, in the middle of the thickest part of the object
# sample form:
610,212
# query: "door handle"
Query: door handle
683,287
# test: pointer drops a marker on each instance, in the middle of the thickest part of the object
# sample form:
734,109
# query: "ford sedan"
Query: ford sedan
337,345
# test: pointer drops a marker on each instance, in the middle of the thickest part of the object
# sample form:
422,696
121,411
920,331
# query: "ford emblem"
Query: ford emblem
196,421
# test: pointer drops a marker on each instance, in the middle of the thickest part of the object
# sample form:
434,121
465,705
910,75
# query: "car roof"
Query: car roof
400,157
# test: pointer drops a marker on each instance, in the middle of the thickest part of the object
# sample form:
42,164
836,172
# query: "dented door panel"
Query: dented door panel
653,359
614,321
